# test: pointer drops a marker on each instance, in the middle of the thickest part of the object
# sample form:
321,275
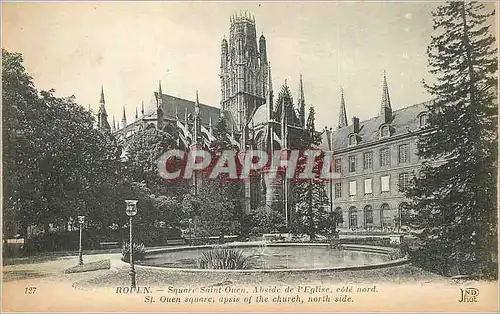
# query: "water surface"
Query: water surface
274,257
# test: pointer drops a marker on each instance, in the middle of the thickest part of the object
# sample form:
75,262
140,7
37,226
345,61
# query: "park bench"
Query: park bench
109,245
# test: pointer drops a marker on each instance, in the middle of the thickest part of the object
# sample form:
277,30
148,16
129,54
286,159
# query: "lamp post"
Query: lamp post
190,231
81,220
131,212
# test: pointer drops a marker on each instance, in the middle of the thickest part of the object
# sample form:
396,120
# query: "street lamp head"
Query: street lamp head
131,207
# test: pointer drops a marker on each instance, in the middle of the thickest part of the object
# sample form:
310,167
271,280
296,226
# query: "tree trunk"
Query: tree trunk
221,237
312,235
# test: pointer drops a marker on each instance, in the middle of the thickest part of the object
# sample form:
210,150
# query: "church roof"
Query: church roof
174,105
404,120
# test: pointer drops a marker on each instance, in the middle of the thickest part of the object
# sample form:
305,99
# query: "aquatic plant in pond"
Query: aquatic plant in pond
222,258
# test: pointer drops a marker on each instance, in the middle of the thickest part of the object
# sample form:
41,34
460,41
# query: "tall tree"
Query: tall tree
56,164
310,195
454,197
216,208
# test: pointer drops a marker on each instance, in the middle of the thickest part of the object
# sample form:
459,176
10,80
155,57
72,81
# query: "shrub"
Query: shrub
264,220
222,258
138,253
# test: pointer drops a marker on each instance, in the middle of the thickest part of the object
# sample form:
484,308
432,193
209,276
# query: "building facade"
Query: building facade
376,159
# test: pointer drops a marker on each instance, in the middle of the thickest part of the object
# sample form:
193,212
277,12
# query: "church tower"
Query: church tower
243,73
102,116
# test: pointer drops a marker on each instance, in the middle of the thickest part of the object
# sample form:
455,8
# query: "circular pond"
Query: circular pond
266,257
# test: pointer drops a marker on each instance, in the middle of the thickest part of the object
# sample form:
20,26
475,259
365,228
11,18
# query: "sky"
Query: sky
75,47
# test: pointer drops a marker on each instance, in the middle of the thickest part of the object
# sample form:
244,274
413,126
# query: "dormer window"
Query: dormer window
385,131
423,120
353,140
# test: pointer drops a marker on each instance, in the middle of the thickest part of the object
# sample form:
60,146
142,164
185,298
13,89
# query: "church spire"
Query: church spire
270,92
102,96
197,105
160,97
102,116
196,119
159,108
124,118
301,90
114,124
386,100
302,103
142,108
136,114
342,113
385,105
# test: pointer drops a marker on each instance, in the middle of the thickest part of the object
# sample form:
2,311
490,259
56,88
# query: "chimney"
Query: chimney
355,125
387,114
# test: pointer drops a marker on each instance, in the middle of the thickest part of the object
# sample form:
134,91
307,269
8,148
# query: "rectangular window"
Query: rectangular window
338,165
404,180
352,163
338,190
352,188
368,186
385,157
384,184
368,160
404,153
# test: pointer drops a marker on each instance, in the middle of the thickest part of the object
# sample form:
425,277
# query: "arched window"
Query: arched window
385,219
368,215
423,120
340,218
353,217
384,131
352,140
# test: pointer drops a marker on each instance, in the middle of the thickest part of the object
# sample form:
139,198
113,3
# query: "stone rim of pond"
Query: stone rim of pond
350,247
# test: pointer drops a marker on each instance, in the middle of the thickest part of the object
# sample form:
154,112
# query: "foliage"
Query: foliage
138,252
310,195
216,208
56,164
222,258
454,199
328,226
310,214
264,220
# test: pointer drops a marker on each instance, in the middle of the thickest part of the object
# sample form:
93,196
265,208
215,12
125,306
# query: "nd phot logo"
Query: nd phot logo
469,295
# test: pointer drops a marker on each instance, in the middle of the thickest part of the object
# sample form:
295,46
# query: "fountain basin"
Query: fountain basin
279,257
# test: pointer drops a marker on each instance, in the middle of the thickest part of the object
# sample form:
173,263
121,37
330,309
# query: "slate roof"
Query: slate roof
172,103
403,120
